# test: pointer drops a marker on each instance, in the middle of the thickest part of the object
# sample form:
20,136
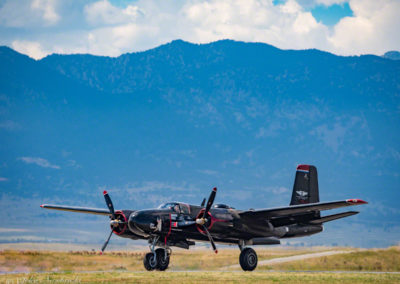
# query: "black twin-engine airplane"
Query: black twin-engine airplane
180,224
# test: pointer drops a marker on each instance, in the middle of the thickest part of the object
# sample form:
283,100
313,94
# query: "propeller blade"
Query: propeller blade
109,204
203,202
211,239
106,243
210,202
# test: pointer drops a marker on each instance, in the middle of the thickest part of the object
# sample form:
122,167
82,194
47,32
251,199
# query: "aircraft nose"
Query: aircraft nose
139,223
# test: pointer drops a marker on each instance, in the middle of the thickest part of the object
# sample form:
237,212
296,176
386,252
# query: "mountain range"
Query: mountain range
172,122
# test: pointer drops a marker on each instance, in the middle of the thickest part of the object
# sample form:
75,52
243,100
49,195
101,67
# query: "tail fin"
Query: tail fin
305,188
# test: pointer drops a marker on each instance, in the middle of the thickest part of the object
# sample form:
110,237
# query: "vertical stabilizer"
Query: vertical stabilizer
305,188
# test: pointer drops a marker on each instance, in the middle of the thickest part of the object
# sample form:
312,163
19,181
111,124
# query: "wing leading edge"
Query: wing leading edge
299,209
87,210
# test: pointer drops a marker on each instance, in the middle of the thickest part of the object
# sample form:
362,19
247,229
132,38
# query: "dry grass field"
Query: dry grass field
198,266
55,261
200,277
367,260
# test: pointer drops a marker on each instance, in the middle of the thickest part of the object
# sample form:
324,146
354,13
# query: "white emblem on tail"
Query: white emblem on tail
302,193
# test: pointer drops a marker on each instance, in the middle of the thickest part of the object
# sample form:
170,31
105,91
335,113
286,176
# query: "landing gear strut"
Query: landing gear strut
158,258
248,258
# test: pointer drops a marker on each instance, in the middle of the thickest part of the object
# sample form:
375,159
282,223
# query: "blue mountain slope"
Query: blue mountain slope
393,55
174,121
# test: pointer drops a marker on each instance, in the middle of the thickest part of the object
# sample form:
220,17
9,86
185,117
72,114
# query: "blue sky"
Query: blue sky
106,27
331,15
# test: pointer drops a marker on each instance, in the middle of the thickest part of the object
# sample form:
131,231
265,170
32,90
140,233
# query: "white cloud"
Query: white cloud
330,2
31,48
29,13
13,230
372,29
104,13
103,28
150,186
277,189
47,10
3,179
38,161
209,172
272,130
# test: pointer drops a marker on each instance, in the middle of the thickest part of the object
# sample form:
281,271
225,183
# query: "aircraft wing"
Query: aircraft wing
77,209
298,209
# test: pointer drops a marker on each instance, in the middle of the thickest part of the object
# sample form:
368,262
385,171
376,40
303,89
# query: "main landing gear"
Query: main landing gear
248,258
157,259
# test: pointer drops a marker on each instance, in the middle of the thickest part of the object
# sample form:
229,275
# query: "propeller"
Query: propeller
114,221
109,203
210,238
106,243
203,219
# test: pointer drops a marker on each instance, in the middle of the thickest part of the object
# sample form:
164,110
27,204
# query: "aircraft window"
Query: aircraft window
172,206
176,208
166,206
185,209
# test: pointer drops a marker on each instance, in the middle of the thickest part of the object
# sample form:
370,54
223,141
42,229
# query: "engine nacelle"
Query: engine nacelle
122,229
262,241
302,230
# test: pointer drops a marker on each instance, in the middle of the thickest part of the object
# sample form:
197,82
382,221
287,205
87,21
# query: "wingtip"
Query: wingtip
215,189
42,206
356,201
105,192
216,251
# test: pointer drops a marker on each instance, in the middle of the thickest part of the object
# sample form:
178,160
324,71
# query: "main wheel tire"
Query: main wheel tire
149,262
162,262
248,259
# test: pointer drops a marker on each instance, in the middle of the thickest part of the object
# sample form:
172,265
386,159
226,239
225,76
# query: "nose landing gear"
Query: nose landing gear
157,259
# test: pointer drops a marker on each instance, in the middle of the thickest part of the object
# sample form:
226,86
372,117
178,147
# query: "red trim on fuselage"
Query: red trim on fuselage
303,168
105,192
170,227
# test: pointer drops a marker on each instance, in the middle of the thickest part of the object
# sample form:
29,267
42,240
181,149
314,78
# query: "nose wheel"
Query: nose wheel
150,262
158,262
157,259
248,259
162,259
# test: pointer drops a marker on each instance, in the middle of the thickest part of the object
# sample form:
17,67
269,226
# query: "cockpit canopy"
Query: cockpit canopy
220,205
177,207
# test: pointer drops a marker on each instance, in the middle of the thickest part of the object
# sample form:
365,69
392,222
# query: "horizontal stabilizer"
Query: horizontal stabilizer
298,209
333,217
77,209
